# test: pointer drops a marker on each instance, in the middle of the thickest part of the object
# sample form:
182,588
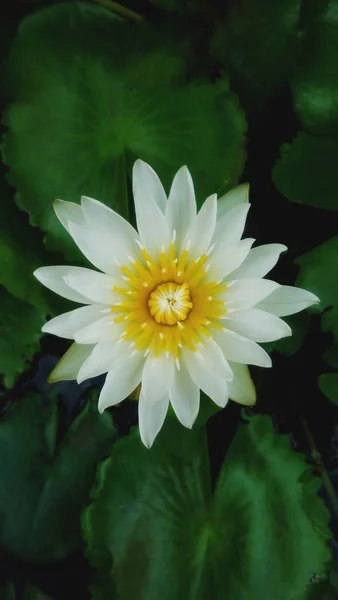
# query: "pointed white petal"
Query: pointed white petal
239,195
102,330
201,230
68,211
151,222
103,358
215,387
148,184
98,287
257,325
181,205
231,226
69,365
288,300
156,377
241,388
116,235
122,379
91,247
67,324
53,279
184,396
151,418
242,350
212,359
259,261
224,259
245,293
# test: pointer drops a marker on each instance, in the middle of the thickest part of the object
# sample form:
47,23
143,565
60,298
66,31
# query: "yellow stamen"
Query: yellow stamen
166,303
170,302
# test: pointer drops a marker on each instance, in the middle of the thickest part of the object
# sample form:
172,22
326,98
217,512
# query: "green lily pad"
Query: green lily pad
20,325
315,82
257,41
46,483
153,520
318,273
86,109
306,172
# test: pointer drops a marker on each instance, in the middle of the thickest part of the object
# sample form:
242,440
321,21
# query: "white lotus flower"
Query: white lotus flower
178,306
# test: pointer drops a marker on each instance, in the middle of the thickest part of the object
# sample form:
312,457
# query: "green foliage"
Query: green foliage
318,273
297,174
315,84
46,481
20,325
328,384
152,520
257,41
21,253
105,100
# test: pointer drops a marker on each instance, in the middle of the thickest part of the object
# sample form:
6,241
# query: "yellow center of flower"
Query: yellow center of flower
170,302
167,302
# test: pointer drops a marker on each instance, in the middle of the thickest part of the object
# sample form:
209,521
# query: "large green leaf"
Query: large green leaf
20,325
307,173
274,530
111,92
145,526
315,83
153,530
45,484
21,253
318,273
257,42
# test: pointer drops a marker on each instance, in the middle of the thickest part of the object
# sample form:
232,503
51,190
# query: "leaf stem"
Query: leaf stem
332,496
121,10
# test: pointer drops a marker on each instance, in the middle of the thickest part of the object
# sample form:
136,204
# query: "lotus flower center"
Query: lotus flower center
170,303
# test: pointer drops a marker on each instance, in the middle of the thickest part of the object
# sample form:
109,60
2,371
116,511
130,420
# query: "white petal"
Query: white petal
241,388
240,349
68,211
257,325
181,205
116,235
231,226
245,293
215,387
151,418
184,396
201,230
148,184
53,279
151,223
98,287
288,300
103,330
239,195
157,377
224,259
121,380
67,324
259,261
91,247
69,365
103,358
212,359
